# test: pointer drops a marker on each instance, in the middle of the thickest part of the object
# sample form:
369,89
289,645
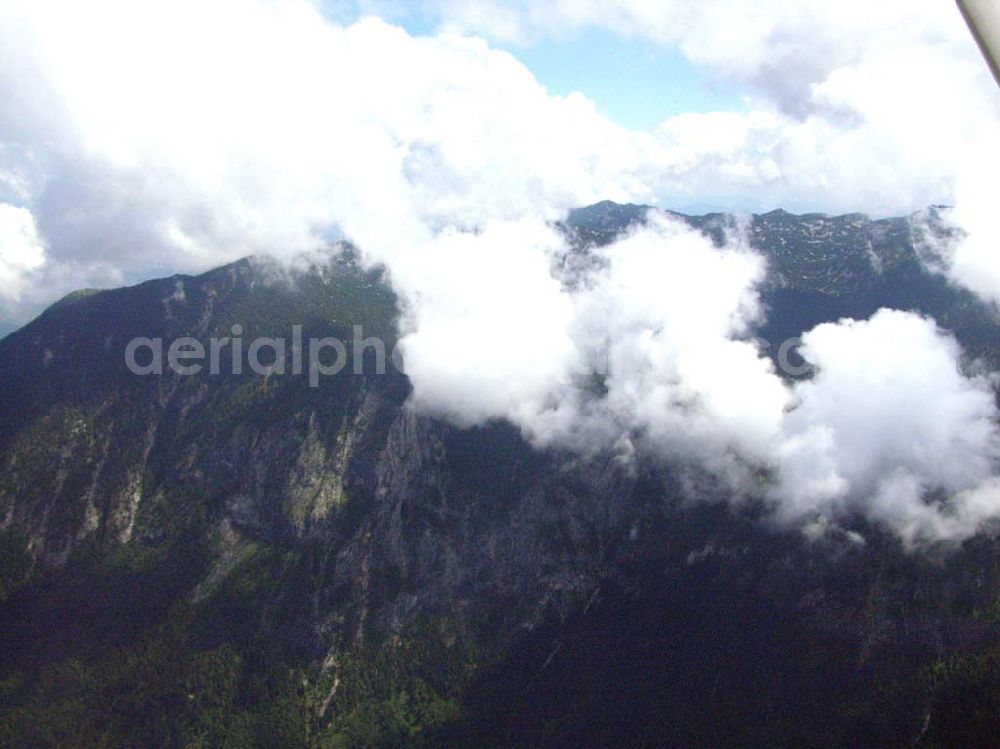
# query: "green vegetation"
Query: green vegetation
965,710
163,690
15,562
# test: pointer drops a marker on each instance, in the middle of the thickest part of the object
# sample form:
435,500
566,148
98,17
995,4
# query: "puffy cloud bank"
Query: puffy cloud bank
891,429
852,106
139,138
201,132
649,353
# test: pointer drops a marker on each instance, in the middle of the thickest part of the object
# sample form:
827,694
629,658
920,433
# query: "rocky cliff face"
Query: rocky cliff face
354,572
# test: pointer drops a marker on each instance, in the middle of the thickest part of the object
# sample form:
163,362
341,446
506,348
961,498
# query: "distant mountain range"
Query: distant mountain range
242,560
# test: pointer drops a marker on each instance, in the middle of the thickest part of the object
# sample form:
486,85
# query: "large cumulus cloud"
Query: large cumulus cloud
200,132
890,428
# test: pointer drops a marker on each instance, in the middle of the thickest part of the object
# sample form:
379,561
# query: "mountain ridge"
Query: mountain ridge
323,565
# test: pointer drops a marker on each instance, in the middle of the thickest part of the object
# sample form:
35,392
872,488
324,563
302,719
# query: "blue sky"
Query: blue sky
634,82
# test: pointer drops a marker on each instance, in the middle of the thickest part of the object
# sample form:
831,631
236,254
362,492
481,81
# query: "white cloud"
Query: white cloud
204,132
674,313
888,420
203,148
27,273
882,108
21,251
783,48
975,260
490,325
